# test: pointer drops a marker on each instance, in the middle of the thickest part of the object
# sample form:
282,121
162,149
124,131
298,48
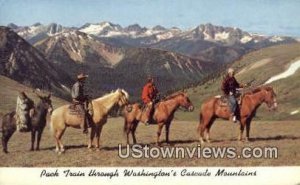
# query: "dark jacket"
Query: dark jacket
78,91
230,85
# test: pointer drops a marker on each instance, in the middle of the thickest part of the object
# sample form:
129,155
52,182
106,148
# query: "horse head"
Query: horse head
270,98
46,102
123,97
185,102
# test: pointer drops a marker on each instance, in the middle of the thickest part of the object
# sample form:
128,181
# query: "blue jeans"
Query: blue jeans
232,103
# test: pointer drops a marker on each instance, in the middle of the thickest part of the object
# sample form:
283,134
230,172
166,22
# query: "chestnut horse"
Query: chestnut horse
163,115
61,117
211,109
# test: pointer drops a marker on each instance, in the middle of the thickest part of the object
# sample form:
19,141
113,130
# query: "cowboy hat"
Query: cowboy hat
230,70
82,76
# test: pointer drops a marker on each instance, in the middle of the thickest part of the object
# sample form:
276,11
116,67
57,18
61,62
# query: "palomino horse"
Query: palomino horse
37,121
163,115
61,117
211,109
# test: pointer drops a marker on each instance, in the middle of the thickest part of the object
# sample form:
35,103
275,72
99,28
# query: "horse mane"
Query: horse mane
258,89
173,95
106,95
112,92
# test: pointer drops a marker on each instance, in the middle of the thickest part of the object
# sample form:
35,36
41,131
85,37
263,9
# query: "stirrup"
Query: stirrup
234,119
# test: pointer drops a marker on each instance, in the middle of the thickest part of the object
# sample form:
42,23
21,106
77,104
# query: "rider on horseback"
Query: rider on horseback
229,88
149,98
79,98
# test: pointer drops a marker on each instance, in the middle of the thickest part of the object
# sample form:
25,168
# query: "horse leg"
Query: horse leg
58,136
208,129
93,132
39,136
160,126
133,129
242,127
204,122
248,121
5,138
167,128
98,133
127,131
32,139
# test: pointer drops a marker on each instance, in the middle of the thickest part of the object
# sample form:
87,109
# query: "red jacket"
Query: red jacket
149,93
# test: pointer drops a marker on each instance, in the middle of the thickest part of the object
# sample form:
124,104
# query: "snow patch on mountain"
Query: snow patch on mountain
246,39
221,36
276,39
289,72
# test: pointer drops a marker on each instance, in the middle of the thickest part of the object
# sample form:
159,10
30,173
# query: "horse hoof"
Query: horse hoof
201,141
5,151
97,149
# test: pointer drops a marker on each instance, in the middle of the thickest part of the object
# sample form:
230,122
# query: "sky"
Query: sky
271,17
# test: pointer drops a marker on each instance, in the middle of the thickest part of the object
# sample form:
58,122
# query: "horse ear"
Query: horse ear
36,93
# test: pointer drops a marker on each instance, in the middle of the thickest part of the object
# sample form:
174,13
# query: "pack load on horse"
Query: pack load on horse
162,116
149,98
63,117
81,102
213,108
36,120
24,112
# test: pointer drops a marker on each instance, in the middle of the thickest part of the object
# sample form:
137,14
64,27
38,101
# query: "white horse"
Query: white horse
61,117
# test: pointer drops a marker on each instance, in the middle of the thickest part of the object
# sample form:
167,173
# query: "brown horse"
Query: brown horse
61,117
212,109
163,115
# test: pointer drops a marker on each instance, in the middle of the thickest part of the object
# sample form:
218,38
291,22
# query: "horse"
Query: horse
211,109
61,117
38,123
163,115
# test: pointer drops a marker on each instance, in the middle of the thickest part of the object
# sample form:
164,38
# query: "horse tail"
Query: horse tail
52,124
1,124
200,118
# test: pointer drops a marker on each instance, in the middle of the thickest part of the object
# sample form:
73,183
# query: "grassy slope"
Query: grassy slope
282,134
287,90
9,92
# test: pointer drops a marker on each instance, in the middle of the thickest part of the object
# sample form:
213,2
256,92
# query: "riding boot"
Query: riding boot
85,125
151,120
233,118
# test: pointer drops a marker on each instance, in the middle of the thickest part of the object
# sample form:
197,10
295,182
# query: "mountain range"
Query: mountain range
24,63
205,42
110,67
115,57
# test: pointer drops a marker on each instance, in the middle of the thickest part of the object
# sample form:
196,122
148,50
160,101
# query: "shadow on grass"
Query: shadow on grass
66,147
273,138
279,137
163,143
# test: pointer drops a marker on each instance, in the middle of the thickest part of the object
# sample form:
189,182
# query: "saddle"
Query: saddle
81,108
76,109
223,100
